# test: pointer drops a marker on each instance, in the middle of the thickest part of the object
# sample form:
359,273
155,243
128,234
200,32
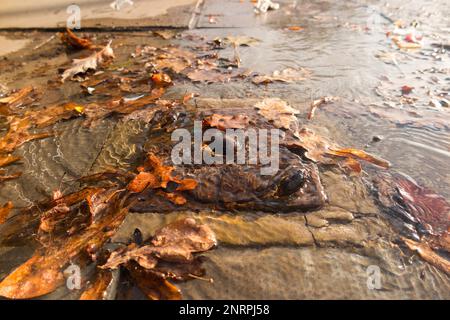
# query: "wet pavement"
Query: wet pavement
320,254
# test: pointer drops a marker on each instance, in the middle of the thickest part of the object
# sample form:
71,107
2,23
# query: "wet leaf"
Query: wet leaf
289,75
90,63
5,210
17,96
175,242
97,289
8,159
317,103
161,79
158,176
427,254
41,274
278,112
295,28
223,122
319,149
143,181
242,40
152,285
36,277
74,41
18,134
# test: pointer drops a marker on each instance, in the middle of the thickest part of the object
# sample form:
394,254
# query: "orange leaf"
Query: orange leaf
4,211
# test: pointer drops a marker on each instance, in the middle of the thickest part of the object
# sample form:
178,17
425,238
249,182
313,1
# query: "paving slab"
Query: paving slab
96,13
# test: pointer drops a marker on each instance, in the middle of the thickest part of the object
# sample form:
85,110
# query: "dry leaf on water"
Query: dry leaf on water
289,75
89,63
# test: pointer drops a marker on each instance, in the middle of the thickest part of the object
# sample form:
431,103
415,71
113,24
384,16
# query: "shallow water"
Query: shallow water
323,254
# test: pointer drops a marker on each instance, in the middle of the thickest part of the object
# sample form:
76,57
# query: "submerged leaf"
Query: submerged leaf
97,289
223,122
289,75
4,211
278,112
429,255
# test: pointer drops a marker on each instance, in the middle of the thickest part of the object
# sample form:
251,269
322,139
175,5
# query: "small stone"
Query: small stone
377,138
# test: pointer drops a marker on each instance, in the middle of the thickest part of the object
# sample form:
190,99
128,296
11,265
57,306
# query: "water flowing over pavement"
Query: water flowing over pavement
349,54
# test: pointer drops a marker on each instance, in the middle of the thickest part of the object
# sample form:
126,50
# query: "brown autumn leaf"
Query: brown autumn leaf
173,58
41,274
18,134
95,111
97,289
143,181
7,159
89,63
289,75
50,115
278,112
17,96
74,41
317,103
5,210
161,79
152,285
175,242
5,177
223,122
157,177
427,254
319,149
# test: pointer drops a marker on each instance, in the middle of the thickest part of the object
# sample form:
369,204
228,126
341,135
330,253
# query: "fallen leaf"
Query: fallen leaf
223,122
319,149
158,177
289,75
161,79
175,242
317,103
152,285
295,28
89,63
8,159
429,255
97,289
74,41
278,112
5,210
242,40
41,274
17,96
